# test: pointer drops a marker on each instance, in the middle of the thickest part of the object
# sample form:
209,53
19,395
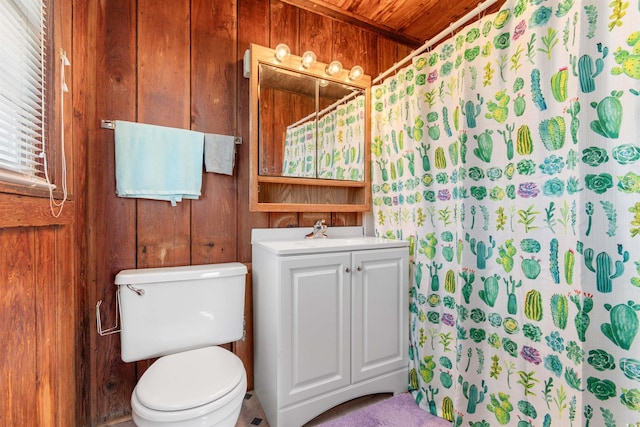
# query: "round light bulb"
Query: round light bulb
335,67
282,52
356,73
308,59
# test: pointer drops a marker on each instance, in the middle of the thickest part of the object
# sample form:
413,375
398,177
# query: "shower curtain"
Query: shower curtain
509,157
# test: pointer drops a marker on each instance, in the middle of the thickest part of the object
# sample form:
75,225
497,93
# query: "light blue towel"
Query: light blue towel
157,162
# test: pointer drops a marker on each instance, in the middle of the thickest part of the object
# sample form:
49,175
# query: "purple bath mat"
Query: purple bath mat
398,411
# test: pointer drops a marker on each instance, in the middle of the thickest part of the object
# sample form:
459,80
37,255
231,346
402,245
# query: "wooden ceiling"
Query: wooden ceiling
408,21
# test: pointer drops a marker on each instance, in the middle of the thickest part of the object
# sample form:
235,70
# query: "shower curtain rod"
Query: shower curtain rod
427,44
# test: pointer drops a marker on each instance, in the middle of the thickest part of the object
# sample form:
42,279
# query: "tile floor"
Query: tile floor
252,415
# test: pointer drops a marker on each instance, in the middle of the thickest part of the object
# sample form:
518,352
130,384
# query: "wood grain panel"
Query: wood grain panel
213,110
18,362
315,35
284,28
163,40
82,16
111,220
23,211
253,27
67,312
48,341
253,23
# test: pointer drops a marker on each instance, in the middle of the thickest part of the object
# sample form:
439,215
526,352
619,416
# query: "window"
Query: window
22,93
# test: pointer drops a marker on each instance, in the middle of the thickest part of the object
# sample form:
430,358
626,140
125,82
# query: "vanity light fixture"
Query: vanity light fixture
335,67
308,59
356,73
282,52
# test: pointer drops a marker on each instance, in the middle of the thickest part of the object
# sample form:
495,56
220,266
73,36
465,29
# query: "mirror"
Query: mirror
309,136
309,127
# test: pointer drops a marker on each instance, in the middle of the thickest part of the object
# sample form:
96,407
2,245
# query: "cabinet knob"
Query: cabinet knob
347,270
359,268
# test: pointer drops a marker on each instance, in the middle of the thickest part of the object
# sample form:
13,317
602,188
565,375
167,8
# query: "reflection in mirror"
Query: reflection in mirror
285,97
341,139
310,127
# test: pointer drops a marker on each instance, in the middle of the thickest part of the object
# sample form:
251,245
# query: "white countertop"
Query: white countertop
292,241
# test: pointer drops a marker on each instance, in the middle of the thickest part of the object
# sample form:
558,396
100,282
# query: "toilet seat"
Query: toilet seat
189,385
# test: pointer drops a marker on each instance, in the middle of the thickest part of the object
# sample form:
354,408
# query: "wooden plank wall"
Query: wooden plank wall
41,272
179,63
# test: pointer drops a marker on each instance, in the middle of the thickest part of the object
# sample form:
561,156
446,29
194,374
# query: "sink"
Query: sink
297,246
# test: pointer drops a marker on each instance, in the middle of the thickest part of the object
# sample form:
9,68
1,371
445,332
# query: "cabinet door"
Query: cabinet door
380,312
315,352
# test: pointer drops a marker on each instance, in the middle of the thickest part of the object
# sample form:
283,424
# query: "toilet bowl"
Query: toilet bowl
181,315
203,387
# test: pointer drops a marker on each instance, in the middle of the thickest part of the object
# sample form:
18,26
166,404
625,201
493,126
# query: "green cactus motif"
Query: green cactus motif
629,63
530,267
584,304
583,68
433,128
624,324
454,151
463,147
428,245
536,92
423,150
559,310
553,132
573,109
435,280
499,110
501,407
507,135
447,408
450,281
431,400
553,260
506,254
416,131
418,273
413,379
485,146
490,292
609,112
440,161
604,267
382,164
559,84
524,144
533,305
470,111
569,263
473,394
445,121
512,304
519,105
469,277
481,250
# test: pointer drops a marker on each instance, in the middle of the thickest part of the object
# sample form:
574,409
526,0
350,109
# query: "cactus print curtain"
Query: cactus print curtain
509,157
339,151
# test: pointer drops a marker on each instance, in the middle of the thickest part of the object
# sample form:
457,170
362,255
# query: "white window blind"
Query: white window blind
22,94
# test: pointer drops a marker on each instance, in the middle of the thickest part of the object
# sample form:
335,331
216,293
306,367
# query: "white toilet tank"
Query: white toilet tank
172,309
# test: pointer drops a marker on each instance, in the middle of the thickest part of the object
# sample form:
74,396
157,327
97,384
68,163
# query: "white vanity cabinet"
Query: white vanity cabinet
331,323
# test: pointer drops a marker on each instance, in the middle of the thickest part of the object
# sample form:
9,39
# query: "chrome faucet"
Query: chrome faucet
319,230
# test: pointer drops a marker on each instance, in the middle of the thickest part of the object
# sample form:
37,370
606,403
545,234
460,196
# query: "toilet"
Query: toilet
180,315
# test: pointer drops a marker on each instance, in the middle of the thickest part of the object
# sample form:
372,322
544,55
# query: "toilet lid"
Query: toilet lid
189,379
